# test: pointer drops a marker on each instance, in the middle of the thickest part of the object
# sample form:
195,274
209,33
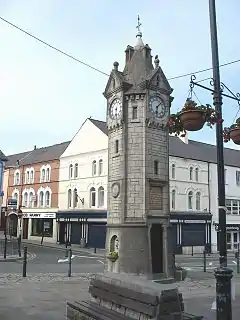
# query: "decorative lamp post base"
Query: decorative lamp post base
223,293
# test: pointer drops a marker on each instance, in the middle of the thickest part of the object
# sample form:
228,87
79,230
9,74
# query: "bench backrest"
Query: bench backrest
140,302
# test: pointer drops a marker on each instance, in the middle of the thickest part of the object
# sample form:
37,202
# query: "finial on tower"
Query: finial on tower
139,34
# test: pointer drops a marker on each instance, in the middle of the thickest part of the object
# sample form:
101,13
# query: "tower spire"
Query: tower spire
139,35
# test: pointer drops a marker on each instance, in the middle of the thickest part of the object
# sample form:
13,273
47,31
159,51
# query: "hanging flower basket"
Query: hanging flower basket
192,118
113,256
233,132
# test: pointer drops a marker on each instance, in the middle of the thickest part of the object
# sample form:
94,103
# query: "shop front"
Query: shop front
190,232
232,234
39,225
83,227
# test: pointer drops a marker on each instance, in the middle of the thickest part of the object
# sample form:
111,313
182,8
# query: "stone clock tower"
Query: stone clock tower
138,105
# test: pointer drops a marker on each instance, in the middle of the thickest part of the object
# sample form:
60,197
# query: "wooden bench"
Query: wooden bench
115,302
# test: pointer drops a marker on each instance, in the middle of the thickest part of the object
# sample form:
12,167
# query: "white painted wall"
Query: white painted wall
89,144
182,183
232,191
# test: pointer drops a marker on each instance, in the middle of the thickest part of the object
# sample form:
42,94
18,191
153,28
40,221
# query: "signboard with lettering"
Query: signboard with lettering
39,215
229,227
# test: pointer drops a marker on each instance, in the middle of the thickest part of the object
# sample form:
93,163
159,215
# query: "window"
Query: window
17,178
70,171
116,146
69,198
238,178
92,197
48,174
173,200
134,113
233,206
173,171
75,198
100,168
31,176
196,174
101,197
31,200
94,168
155,167
47,199
191,173
198,201
41,196
190,198
42,227
25,199
27,177
15,196
43,176
76,170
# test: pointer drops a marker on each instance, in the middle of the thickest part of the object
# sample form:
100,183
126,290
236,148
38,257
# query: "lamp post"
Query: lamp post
223,275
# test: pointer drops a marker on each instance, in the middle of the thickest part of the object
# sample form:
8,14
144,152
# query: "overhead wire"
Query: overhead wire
99,70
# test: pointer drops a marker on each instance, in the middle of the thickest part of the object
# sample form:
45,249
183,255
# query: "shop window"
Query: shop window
42,227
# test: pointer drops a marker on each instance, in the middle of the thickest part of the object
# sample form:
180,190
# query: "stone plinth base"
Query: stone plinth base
116,296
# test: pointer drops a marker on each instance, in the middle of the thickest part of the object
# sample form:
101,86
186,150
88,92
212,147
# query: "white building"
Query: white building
232,191
83,194
83,186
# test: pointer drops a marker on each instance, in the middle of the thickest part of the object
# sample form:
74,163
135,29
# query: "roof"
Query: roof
194,150
102,125
38,155
2,156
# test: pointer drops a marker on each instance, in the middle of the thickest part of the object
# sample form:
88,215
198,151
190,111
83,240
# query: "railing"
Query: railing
12,247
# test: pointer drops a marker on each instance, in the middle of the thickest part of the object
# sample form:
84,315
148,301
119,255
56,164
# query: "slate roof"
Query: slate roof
2,156
44,154
194,150
177,148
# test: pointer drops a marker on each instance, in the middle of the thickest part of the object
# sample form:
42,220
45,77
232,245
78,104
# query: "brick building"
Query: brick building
33,179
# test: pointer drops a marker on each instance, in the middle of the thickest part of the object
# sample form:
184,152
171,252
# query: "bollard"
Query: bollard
19,247
5,248
95,250
204,260
192,251
66,248
69,262
24,262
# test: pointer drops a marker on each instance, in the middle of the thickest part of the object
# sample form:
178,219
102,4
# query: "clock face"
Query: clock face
115,109
157,107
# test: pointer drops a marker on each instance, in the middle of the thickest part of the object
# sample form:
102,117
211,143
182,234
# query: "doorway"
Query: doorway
156,234
25,228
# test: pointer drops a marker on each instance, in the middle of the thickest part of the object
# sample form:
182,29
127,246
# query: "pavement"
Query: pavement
45,290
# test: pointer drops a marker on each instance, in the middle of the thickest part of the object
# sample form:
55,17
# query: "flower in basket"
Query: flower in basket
113,256
192,117
232,132
175,125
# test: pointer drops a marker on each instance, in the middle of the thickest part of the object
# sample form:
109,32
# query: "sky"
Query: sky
46,96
